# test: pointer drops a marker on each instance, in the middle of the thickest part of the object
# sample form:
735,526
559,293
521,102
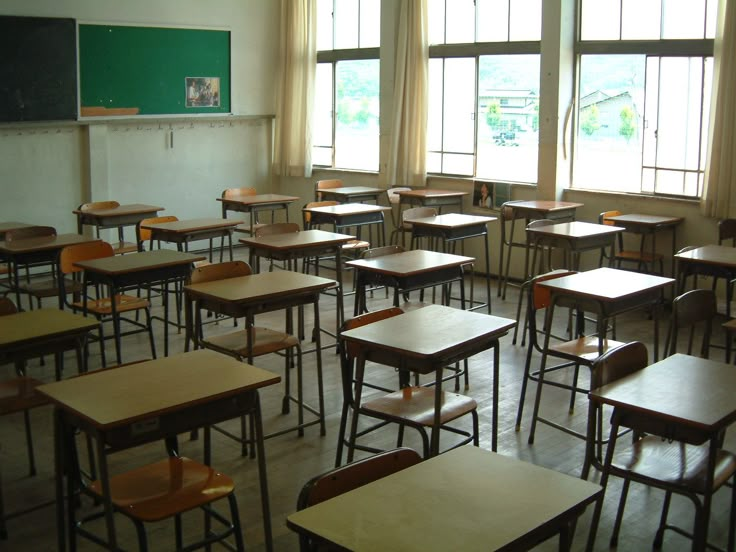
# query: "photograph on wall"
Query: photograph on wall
203,91
483,195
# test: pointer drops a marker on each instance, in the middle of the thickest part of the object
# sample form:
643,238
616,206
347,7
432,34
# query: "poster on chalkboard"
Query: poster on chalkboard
203,91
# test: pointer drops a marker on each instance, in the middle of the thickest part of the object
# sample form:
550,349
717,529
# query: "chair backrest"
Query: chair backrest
538,224
364,319
326,185
82,252
540,297
393,196
307,216
144,234
694,310
220,271
381,251
98,205
351,476
727,231
7,307
230,193
416,213
618,362
277,228
29,232
605,215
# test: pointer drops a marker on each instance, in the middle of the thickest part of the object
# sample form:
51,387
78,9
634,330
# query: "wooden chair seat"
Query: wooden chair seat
585,348
49,288
353,245
675,464
265,341
123,303
123,247
19,394
245,227
416,405
643,256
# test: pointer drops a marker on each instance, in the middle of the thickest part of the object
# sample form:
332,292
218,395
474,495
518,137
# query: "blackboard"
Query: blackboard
38,69
143,70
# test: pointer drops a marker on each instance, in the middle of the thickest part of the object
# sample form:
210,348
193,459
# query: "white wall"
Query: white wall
47,170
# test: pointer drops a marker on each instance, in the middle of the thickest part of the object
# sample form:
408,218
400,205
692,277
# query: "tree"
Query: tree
590,122
628,128
493,115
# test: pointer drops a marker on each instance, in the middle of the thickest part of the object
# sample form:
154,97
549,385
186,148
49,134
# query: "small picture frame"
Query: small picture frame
483,195
202,91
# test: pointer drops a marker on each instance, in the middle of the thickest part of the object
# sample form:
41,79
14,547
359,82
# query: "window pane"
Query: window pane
493,17
434,112
641,19
370,23
508,127
322,156
459,105
691,184
346,24
683,19
670,182
324,25
707,91
322,121
525,20
457,164
600,20
460,21
609,123
436,21
356,130
434,162
647,181
711,22
651,108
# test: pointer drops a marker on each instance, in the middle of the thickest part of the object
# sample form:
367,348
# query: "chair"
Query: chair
671,460
693,310
726,233
508,222
121,247
231,193
264,341
274,229
351,476
583,350
414,213
410,406
103,308
394,201
642,257
325,185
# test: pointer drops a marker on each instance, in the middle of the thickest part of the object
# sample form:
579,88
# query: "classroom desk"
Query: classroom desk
300,245
606,292
254,204
118,217
32,334
128,406
649,225
351,194
467,499
427,340
140,269
246,296
710,260
37,250
5,227
181,232
407,271
576,237
455,227
683,395
348,215
430,197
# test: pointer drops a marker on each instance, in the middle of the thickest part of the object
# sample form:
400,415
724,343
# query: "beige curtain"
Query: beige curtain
295,88
719,196
407,156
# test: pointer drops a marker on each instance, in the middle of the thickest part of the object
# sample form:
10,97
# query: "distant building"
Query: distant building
518,108
609,115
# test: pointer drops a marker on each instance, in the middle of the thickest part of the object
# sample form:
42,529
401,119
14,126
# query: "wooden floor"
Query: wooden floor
293,460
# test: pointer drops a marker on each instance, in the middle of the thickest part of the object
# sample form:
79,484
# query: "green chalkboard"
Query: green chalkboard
153,71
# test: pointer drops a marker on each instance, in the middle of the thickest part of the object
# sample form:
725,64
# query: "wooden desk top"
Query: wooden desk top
634,219
46,243
451,220
348,209
298,240
720,255
193,225
544,206
120,396
432,192
575,229
135,262
132,209
410,262
432,331
259,287
688,390
258,199
466,499
37,325
606,284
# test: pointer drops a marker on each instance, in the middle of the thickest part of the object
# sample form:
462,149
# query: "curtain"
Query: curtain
407,156
719,195
295,88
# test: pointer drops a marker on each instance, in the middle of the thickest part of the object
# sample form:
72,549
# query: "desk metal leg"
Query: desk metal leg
262,476
496,370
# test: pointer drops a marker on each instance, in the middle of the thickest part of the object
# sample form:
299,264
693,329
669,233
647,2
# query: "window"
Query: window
484,88
346,108
644,84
